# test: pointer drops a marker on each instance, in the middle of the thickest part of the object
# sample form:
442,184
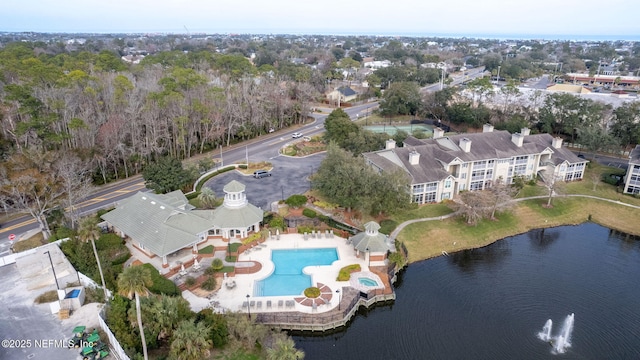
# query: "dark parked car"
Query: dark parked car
261,173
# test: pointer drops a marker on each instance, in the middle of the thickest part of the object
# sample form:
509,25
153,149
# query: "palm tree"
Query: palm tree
191,341
89,231
134,281
207,198
285,349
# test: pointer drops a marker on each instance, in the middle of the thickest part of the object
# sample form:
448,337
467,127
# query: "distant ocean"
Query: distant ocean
513,36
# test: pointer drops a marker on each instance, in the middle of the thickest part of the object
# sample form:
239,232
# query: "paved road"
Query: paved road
262,148
468,75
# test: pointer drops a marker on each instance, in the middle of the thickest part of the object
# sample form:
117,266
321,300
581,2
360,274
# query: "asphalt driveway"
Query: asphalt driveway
289,176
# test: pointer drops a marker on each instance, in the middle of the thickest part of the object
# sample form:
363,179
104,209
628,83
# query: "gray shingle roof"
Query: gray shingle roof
434,153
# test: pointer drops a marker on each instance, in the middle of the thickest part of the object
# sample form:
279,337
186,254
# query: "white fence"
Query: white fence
118,351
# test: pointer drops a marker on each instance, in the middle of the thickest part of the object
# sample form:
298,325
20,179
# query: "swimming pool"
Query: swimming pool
367,282
287,277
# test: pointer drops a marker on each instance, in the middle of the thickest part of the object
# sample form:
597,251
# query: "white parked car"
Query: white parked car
296,135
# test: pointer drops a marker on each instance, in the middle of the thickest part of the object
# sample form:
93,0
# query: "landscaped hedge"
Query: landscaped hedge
161,285
218,172
234,247
345,272
296,200
309,213
387,226
312,292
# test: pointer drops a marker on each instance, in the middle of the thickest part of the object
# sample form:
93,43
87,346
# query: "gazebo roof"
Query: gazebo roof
371,240
233,187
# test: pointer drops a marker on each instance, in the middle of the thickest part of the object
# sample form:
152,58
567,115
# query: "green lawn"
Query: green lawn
428,239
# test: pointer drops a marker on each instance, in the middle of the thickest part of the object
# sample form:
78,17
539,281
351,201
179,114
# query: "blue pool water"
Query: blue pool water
367,281
287,277
73,294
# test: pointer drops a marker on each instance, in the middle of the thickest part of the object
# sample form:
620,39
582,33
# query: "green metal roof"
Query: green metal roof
155,222
371,240
233,187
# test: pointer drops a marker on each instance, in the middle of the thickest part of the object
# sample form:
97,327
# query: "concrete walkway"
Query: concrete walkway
401,227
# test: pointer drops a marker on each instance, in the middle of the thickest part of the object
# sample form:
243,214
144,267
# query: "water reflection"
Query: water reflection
542,238
490,303
469,260
628,242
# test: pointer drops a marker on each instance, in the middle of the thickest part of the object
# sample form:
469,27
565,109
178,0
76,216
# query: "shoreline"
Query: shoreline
452,235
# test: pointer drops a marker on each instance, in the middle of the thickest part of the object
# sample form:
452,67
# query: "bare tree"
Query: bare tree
553,183
75,182
500,194
473,205
30,184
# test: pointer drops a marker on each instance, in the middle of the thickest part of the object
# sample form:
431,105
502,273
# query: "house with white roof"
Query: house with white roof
443,166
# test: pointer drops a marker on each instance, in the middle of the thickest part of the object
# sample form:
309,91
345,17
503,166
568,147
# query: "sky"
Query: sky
549,19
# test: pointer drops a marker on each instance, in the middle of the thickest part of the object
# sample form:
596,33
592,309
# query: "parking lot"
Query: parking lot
289,176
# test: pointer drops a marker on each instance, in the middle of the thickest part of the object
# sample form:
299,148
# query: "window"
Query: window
447,184
418,188
418,199
463,176
462,187
475,185
430,197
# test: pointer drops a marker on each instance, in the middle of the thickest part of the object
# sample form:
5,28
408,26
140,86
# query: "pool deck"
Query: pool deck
232,299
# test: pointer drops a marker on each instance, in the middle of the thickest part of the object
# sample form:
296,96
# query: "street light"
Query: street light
498,77
52,268
339,298
248,307
368,258
282,190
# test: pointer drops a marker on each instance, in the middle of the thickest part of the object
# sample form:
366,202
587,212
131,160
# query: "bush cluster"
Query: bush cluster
309,213
345,272
161,285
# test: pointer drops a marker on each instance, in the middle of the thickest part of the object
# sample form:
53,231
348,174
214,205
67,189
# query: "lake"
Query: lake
491,302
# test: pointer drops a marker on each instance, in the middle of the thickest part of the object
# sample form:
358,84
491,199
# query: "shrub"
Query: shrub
277,222
161,285
305,229
345,272
209,284
309,213
206,250
243,166
251,238
217,264
209,271
190,281
102,212
387,226
296,200
234,247
397,258
312,292
325,205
